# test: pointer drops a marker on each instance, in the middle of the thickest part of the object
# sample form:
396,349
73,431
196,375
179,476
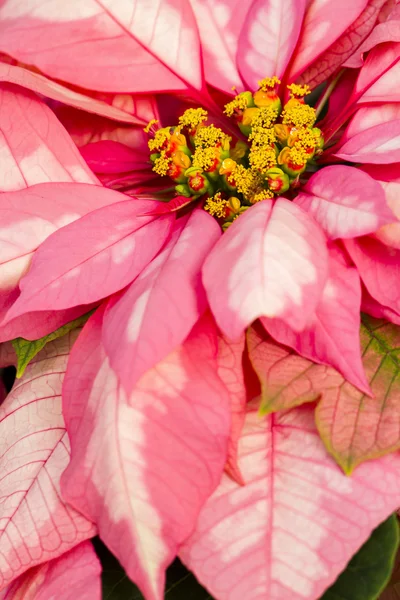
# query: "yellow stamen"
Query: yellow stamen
216,206
204,158
238,103
262,159
300,115
268,83
298,91
161,138
193,117
162,164
262,195
150,125
264,118
209,136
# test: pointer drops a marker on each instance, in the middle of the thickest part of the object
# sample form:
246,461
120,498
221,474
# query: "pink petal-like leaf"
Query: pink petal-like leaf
378,145
271,262
142,466
334,336
343,48
268,38
230,370
35,524
353,426
41,85
325,21
106,45
346,202
371,307
293,527
34,147
379,76
220,28
92,257
155,314
286,379
388,31
389,178
370,116
379,268
75,574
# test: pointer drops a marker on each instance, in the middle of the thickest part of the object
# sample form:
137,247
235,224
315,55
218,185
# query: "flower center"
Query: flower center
230,174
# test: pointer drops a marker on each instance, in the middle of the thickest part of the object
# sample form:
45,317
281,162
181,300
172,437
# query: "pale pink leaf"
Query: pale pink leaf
220,26
143,465
92,257
346,202
334,336
35,523
389,178
34,147
388,31
353,426
230,370
379,268
75,574
51,89
379,75
378,145
294,526
155,314
271,262
369,116
325,21
268,38
106,45
286,379
344,46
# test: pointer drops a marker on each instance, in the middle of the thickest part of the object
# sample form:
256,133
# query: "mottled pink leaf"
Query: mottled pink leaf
293,527
346,202
92,257
271,262
370,116
155,314
344,46
355,427
220,26
268,38
34,147
75,574
379,76
7,355
378,145
106,45
41,85
29,216
388,31
371,307
35,524
389,178
379,269
142,466
230,370
108,156
325,21
286,379
34,325
333,338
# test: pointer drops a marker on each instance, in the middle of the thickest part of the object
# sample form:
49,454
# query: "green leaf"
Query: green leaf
26,350
369,570
180,585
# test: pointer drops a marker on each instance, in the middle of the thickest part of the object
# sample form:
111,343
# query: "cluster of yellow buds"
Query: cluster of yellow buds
229,177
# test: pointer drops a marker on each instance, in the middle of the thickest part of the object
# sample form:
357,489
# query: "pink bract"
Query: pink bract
198,321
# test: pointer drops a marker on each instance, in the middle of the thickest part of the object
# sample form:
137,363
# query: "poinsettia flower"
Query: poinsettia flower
267,222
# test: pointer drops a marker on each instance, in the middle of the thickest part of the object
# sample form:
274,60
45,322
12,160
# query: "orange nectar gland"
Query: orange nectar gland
230,175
